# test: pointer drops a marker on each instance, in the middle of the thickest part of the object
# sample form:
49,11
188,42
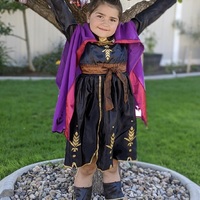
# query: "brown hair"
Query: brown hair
95,3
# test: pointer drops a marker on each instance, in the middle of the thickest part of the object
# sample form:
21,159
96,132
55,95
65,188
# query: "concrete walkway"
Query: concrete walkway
170,76
149,77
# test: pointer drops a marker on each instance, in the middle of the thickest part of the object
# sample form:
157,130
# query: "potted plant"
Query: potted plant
151,60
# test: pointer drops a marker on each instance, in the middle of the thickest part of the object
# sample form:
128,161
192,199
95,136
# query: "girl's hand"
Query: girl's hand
23,1
79,2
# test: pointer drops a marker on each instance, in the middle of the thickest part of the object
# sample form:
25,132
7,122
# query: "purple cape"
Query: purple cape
69,70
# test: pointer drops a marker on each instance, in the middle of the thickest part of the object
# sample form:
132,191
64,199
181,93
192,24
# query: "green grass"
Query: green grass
26,111
171,139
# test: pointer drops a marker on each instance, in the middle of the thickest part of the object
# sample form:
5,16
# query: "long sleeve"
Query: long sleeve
151,14
63,16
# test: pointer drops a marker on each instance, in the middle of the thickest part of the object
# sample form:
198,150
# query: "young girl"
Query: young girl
101,84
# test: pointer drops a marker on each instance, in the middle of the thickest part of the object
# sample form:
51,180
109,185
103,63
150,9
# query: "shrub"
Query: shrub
47,62
4,57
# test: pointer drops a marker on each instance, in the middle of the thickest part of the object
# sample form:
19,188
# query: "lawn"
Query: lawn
171,139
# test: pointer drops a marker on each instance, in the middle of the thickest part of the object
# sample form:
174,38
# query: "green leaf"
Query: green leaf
10,6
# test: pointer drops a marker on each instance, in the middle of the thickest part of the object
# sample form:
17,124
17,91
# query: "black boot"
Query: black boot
113,191
82,193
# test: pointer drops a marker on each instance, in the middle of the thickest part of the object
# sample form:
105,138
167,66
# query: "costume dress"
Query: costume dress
101,85
93,130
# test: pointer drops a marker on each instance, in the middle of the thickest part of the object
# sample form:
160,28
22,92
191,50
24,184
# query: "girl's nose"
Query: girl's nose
106,22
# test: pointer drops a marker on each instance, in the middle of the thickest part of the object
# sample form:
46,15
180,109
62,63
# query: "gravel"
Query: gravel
52,181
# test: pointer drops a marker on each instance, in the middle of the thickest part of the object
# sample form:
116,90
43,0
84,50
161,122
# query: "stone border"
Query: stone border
7,184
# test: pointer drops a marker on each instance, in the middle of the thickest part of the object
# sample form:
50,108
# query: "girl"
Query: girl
101,83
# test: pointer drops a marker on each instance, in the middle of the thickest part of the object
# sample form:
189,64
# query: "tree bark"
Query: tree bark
189,61
30,63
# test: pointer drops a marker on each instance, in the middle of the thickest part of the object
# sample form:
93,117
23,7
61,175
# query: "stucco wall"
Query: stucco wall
190,16
44,37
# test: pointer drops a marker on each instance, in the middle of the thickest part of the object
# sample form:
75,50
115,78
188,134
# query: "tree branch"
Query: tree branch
17,36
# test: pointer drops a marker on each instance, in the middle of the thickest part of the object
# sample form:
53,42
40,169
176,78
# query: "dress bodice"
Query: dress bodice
94,53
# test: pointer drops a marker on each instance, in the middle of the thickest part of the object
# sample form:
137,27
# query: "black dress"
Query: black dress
94,131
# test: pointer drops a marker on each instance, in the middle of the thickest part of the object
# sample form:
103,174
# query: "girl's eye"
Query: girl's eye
113,20
99,16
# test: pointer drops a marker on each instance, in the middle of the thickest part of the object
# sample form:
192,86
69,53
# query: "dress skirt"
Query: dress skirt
95,132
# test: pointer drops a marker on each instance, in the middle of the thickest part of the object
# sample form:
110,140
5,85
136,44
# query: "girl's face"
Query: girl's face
104,20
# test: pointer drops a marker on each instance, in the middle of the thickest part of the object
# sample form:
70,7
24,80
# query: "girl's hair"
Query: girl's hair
95,3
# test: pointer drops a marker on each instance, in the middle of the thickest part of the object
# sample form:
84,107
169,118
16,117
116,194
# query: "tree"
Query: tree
5,29
11,7
41,7
193,33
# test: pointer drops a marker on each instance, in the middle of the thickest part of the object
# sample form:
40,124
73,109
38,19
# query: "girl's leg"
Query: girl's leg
112,183
83,181
112,175
85,174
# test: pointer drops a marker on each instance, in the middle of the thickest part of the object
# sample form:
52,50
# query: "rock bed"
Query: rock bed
53,182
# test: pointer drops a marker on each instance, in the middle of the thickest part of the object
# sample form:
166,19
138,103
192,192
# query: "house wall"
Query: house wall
190,16
173,45
44,37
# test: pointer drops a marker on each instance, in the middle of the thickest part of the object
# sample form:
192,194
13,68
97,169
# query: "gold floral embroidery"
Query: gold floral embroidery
75,142
107,51
105,41
112,141
131,137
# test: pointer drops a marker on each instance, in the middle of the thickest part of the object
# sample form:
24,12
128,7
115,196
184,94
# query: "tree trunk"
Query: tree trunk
189,63
30,63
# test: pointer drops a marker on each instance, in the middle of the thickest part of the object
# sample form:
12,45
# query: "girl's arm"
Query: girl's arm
63,16
151,14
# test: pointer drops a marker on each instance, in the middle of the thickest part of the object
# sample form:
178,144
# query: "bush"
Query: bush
4,58
47,62
15,71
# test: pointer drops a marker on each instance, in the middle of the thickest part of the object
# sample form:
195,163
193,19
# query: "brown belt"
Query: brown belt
108,69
